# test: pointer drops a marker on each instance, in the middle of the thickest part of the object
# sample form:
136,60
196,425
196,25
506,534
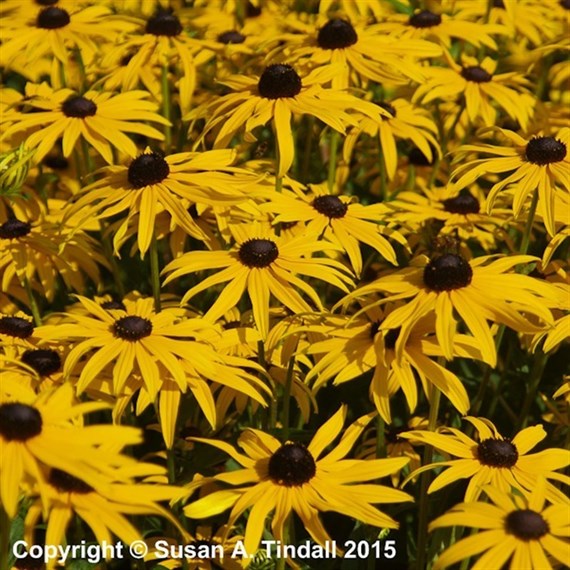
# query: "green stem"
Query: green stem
81,65
332,159
525,240
308,149
287,398
535,377
87,161
171,466
425,480
281,561
33,303
5,527
109,255
383,175
154,273
166,108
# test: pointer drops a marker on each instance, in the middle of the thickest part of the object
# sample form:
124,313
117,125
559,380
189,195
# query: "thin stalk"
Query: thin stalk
535,377
166,107
109,255
81,65
306,164
425,480
87,161
287,398
33,303
154,273
383,176
332,159
525,240
281,561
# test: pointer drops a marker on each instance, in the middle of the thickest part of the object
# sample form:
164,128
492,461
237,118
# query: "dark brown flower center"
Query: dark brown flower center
56,162
19,422
231,37
67,483
258,252
337,34
147,169
465,203
476,74
52,18
43,360
16,327
279,80
330,206
526,524
387,107
292,465
447,272
113,305
164,23
497,452
544,150
13,229
425,19
418,158
78,107
132,328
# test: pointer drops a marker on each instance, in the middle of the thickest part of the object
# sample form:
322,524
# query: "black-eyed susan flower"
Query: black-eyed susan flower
135,339
336,217
277,95
481,87
283,478
449,284
45,431
363,52
154,183
516,531
540,163
265,265
102,119
402,121
494,460
17,330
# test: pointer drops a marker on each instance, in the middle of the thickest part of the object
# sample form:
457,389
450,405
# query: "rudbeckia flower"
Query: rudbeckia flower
480,87
526,531
338,218
17,330
449,284
540,163
135,339
153,183
291,477
100,118
363,53
264,264
276,95
494,459
45,431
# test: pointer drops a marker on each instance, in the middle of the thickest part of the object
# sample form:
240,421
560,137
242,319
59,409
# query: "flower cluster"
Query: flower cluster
245,249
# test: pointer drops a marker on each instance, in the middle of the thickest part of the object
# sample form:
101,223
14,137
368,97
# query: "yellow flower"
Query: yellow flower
292,477
502,462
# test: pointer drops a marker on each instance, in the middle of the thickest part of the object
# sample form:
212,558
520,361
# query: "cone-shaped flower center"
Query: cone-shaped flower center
13,228
292,465
55,161
52,18
258,252
337,34
164,23
447,272
231,37
330,206
43,360
19,422
279,80
544,150
147,169
67,483
526,524
113,305
16,327
497,452
78,107
465,203
424,19
132,328
387,107
476,74
418,158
